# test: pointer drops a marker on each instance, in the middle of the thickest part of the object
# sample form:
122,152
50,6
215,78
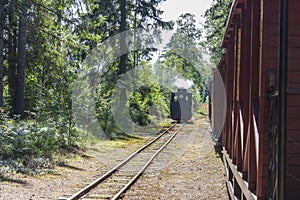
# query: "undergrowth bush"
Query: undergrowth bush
29,145
147,101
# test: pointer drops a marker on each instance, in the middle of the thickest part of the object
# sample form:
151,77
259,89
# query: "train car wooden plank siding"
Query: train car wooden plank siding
249,69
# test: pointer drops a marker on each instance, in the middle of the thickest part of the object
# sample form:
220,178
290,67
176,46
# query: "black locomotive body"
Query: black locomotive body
181,105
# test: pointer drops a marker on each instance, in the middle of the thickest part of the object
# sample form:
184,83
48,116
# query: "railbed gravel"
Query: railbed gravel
189,168
192,170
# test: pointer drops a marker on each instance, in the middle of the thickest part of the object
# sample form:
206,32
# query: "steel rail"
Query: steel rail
108,174
136,177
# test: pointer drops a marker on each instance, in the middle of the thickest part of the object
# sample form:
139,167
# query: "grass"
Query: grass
103,145
63,159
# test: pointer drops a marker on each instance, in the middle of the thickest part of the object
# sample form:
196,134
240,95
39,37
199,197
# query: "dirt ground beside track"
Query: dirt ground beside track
188,169
196,173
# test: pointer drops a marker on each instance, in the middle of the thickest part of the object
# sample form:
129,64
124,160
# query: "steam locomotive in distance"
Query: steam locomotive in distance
181,105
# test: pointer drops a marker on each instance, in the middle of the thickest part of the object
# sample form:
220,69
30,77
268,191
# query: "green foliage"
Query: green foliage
103,21
215,24
24,143
60,34
196,97
151,99
103,103
184,51
50,71
147,101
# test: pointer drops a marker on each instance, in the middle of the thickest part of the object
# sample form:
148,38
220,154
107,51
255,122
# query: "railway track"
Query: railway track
114,183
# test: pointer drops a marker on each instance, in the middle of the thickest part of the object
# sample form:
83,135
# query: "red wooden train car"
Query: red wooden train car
261,132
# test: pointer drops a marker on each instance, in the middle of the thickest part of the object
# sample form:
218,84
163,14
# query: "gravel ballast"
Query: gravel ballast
189,168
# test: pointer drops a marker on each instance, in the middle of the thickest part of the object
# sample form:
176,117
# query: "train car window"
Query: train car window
187,98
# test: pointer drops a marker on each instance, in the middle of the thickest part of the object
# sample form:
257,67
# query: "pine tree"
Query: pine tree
215,23
2,21
19,106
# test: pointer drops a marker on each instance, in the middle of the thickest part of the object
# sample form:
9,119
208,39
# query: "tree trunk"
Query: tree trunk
2,15
123,45
19,108
12,53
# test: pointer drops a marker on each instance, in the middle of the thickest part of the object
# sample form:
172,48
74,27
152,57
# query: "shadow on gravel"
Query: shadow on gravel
70,166
218,149
4,178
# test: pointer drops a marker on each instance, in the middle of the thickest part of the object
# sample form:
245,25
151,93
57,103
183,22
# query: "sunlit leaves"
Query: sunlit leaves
215,23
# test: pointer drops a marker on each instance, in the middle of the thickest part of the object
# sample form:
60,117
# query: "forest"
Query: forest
43,45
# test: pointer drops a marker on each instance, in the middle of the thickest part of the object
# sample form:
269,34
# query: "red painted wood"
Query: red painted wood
293,159
293,103
294,134
294,41
293,113
293,100
254,84
249,87
293,124
292,194
245,79
294,171
230,77
269,62
294,30
294,76
293,147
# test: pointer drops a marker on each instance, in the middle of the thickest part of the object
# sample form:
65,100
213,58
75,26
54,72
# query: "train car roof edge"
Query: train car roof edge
229,20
